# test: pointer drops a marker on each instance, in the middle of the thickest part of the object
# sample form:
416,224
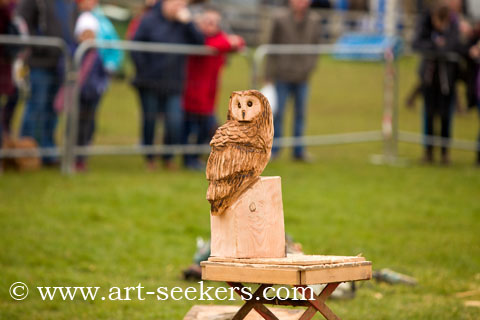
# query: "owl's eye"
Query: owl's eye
239,105
249,103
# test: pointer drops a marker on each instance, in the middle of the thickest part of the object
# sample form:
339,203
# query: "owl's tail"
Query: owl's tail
229,194
217,207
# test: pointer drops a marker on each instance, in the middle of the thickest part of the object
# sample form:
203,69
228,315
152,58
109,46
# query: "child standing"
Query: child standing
202,83
437,39
93,78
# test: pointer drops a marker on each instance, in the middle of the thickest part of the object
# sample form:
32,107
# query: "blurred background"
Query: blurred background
107,109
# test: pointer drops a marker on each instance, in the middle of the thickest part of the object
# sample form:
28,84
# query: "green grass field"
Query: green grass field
119,225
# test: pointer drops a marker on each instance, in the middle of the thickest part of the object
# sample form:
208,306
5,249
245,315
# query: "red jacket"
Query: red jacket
203,75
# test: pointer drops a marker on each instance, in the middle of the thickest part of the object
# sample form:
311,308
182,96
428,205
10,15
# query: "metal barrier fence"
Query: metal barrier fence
389,132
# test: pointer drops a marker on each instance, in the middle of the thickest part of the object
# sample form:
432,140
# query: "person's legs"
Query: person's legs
206,128
199,134
1,134
447,105
38,96
301,96
9,110
39,118
212,126
173,122
86,126
282,89
190,128
150,106
428,113
478,144
51,116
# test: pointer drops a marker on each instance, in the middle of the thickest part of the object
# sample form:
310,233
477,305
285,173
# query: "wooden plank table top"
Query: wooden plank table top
291,270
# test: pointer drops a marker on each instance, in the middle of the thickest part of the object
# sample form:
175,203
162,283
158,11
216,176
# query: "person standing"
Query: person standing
160,77
93,77
437,39
54,19
203,75
291,73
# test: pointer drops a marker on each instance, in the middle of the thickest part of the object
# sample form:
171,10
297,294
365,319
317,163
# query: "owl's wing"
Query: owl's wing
235,151
224,134
234,163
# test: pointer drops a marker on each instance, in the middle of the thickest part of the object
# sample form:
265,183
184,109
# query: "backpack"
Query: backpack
112,58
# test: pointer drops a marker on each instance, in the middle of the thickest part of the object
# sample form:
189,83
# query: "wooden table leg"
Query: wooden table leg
318,304
252,303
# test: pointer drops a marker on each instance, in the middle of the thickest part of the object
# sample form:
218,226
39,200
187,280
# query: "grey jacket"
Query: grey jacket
42,19
285,30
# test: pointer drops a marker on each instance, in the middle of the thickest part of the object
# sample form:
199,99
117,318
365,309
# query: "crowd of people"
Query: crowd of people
449,44
182,89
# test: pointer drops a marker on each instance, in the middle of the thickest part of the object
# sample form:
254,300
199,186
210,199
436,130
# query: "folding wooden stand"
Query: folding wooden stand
298,271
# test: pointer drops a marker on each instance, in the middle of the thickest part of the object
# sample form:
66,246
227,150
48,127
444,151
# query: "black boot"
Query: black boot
428,155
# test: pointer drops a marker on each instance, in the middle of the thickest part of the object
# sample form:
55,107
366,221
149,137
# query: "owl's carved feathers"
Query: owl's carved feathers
240,152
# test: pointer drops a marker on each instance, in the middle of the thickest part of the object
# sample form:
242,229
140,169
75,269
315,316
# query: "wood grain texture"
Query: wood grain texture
253,226
292,259
287,274
241,149
213,312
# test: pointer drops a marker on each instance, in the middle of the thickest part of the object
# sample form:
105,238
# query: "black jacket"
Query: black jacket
471,74
42,18
163,72
437,61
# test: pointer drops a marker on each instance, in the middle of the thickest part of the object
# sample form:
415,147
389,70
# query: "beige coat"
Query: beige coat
285,30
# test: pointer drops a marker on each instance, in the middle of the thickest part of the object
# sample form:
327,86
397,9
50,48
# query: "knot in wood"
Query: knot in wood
252,207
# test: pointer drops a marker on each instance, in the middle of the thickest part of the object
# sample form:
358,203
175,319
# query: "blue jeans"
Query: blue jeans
39,118
169,105
299,91
198,129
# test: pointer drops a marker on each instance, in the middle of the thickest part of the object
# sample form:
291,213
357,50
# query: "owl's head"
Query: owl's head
248,106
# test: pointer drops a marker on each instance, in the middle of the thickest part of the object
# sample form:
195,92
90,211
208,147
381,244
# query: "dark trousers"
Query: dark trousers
8,110
437,106
198,129
86,122
299,92
155,103
478,144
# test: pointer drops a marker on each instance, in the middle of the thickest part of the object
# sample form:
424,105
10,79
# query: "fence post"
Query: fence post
71,123
390,109
257,59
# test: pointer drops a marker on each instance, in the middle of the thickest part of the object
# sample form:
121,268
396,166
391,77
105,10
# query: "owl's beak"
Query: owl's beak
243,114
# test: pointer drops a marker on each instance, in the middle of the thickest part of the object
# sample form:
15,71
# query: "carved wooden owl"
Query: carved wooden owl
241,149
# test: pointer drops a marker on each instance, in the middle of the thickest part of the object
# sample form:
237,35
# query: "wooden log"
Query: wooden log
253,226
